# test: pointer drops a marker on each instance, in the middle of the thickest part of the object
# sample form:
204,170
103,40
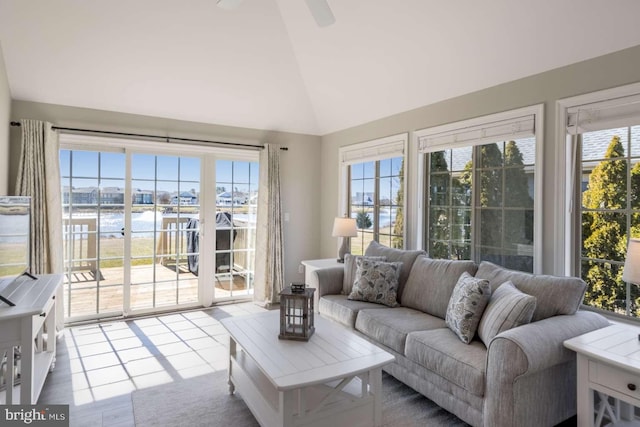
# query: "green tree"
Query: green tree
398,225
518,222
362,220
490,197
604,233
439,213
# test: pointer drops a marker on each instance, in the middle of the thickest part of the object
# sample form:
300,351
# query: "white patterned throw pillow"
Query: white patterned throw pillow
376,281
466,305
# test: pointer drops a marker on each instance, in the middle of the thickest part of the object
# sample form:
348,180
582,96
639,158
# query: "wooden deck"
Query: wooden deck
91,293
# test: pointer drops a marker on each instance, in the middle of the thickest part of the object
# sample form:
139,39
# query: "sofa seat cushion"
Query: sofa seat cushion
390,326
554,295
343,310
442,352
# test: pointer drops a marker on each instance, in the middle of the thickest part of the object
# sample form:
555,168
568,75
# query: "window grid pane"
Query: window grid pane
483,210
376,201
609,188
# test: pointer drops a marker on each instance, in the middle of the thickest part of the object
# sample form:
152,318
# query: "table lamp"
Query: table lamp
631,272
344,227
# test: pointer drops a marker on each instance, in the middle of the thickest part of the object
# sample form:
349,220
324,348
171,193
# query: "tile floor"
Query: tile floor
99,365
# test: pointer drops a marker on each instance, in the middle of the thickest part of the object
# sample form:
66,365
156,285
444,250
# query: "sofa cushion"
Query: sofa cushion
350,270
342,310
508,308
431,283
467,303
554,294
406,257
442,352
390,326
376,281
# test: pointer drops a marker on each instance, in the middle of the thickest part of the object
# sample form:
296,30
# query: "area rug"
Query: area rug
205,401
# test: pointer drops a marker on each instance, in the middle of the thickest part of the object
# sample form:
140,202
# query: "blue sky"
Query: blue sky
87,165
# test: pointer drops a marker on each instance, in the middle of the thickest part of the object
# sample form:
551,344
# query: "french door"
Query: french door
134,230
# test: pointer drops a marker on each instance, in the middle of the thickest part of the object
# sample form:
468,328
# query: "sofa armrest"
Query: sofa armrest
329,280
531,375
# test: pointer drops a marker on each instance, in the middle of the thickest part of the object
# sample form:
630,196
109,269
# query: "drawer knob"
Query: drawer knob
631,386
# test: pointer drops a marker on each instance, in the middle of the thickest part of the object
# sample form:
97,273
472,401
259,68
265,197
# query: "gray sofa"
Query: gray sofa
524,377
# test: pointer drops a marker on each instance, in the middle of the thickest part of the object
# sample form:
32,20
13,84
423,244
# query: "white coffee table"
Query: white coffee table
334,379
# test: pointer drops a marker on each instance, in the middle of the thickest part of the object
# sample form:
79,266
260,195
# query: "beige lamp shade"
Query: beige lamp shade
344,227
631,273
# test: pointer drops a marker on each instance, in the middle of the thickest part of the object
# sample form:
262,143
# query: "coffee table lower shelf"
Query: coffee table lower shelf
352,401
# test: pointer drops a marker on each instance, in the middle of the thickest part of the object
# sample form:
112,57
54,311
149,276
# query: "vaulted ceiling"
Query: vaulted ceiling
267,65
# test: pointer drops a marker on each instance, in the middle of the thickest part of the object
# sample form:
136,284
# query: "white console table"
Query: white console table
312,265
30,324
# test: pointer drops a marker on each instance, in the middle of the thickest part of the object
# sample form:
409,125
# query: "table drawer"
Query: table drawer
39,319
615,379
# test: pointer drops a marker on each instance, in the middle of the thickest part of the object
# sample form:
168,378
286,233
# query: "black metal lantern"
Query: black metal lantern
296,313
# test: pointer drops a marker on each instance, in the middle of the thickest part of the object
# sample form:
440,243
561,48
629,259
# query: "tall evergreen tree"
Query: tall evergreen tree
604,233
518,223
398,225
490,197
439,215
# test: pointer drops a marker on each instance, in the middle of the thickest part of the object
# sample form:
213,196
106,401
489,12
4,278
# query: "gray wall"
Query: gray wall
596,74
299,173
5,114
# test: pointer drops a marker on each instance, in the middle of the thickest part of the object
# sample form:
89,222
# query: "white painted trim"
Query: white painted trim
377,149
475,123
562,217
538,112
538,203
418,195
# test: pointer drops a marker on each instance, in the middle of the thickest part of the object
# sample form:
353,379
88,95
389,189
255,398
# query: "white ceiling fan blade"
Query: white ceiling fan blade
228,4
321,12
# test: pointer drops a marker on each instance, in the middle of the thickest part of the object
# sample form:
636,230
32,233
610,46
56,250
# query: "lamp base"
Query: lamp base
344,249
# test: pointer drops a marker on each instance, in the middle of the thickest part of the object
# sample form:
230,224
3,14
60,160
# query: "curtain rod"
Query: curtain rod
164,138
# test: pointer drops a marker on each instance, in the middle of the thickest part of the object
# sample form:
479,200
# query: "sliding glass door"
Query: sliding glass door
134,229
164,226
93,199
236,209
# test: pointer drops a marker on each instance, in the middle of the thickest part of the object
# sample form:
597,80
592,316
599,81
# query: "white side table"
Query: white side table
608,364
309,278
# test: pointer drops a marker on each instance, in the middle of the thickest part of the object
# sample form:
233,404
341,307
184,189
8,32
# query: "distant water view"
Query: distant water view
13,228
387,216
142,223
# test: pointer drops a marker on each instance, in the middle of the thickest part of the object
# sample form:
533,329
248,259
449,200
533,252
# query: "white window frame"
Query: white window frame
477,131
565,231
373,150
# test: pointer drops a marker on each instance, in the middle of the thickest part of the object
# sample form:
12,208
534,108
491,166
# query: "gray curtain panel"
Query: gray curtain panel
269,278
39,178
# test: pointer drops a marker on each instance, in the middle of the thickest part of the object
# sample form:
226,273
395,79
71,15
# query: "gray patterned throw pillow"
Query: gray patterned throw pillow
467,303
350,270
376,281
